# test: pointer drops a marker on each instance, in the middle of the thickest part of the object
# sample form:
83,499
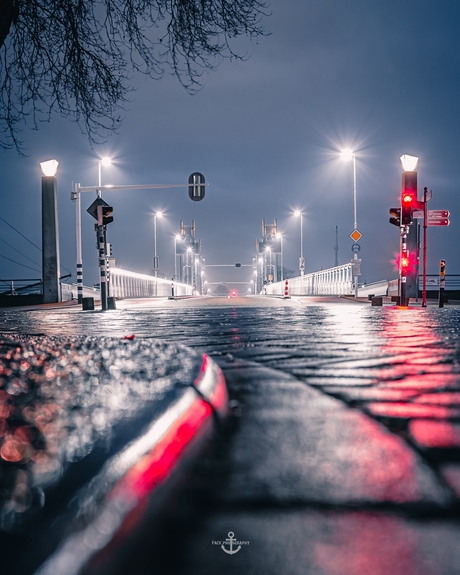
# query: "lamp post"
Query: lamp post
155,257
176,237
280,238
103,162
301,259
269,267
348,154
50,233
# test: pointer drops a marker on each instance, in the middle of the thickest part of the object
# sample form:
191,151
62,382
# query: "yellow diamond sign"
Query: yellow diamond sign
356,236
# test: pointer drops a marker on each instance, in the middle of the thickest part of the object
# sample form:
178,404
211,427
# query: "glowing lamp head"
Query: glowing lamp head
409,163
49,168
347,154
159,214
106,161
297,213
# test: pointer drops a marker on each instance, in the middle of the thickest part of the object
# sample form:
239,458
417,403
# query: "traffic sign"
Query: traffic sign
440,222
438,218
355,248
435,217
356,235
438,214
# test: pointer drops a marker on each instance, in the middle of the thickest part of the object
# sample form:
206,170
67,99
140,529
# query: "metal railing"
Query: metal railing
452,282
333,281
11,287
126,284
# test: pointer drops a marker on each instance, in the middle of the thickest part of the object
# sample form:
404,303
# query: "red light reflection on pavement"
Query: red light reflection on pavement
386,469
423,359
435,434
408,410
368,544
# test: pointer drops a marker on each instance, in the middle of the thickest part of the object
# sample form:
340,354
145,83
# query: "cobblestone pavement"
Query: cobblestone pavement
342,457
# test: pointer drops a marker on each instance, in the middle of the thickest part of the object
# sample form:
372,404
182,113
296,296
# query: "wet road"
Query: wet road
343,455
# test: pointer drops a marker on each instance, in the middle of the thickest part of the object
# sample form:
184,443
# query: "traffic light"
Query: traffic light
103,212
404,262
395,214
409,201
196,189
407,207
106,217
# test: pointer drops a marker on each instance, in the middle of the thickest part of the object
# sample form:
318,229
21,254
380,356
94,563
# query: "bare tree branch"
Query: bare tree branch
76,57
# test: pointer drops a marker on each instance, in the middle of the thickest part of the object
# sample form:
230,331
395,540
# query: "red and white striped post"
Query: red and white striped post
286,289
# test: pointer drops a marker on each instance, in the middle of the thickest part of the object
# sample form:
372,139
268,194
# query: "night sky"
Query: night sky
382,78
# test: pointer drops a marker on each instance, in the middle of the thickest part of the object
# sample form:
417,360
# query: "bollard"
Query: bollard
442,282
286,289
87,303
111,303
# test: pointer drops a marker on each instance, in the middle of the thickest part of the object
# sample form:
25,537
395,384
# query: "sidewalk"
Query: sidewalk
307,486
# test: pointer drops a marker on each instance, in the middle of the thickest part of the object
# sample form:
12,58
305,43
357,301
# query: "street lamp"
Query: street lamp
50,233
269,267
298,213
348,154
409,163
103,162
176,238
280,238
188,267
155,257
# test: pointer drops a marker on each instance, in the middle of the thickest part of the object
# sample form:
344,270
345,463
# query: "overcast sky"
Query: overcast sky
382,78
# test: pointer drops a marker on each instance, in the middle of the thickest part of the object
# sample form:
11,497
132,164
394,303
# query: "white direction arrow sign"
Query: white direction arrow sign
435,217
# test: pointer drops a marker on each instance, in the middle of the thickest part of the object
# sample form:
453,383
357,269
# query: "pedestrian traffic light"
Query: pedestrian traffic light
106,218
395,214
404,261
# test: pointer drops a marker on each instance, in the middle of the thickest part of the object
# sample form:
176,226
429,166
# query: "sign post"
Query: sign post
425,225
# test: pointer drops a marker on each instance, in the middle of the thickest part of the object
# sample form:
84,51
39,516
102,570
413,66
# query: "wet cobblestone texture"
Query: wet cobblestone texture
343,453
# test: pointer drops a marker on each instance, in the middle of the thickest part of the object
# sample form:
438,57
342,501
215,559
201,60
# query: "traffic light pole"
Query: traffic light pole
100,231
403,268
195,188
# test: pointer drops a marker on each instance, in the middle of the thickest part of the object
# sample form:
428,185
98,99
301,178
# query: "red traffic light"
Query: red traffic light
407,198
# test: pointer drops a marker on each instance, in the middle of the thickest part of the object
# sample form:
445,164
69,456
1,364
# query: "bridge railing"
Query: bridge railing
333,281
125,284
